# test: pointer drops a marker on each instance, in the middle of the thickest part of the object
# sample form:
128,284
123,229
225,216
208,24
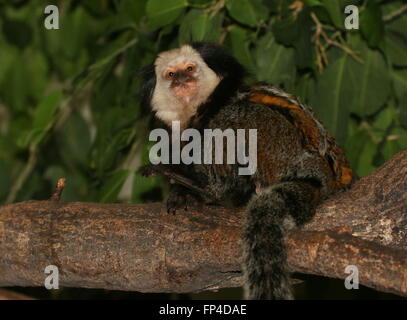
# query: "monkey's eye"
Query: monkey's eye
170,75
190,68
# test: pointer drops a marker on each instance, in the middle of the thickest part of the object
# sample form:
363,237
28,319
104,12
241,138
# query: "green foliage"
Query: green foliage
248,12
162,13
69,103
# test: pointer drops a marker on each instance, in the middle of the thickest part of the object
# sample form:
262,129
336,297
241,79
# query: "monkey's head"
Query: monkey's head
186,78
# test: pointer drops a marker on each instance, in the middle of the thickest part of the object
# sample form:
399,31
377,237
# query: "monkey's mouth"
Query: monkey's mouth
184,90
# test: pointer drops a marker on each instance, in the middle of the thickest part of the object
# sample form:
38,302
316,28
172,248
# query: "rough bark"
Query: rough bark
142,248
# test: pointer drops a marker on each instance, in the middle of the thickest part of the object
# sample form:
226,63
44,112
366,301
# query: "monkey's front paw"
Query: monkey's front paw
175,202
147,171
178,201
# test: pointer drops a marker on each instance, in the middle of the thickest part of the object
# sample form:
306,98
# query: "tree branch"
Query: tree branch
142,248
11,295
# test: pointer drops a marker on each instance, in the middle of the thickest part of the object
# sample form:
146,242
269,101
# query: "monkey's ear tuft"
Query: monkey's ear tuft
220,61
147,86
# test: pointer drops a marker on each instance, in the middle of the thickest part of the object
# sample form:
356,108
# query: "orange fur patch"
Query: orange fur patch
312,134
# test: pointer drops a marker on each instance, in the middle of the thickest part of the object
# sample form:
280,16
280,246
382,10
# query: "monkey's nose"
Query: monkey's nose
182,78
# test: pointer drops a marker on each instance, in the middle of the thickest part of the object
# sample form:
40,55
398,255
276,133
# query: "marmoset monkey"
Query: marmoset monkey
298,162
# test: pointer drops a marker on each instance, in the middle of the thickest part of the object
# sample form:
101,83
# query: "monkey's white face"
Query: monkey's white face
184,82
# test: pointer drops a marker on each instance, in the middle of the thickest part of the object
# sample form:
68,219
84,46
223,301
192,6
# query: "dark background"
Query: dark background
69,104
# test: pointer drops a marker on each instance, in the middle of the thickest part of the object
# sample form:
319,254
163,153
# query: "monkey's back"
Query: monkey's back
291,143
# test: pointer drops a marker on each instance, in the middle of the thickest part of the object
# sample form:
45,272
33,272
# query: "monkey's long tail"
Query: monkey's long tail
269,215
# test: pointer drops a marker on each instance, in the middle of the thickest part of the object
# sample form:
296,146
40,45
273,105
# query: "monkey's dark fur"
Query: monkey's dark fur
298,165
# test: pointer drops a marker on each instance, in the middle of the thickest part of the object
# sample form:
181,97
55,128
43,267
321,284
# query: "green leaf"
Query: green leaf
335,12
400,87
371,25
74,139
396,49
304,48
18,33
399,23
357,139
8,145
5,178
274,62
371,79
322,14
15,92
393,142
37,68
286,31
365,165
134,9
249,12
200,26
334,93
297,32
305,88
8,54
401,136
312,3
75,37
68,47
384,119
30,136
112,186
400,83
31,186
146,189
43,117
46,109
96,7
402,103
143,186
161,13
240,41
201,3
108,146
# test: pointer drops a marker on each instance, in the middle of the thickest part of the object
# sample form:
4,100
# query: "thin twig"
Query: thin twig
322,58
56,195
217,6
395,13
297,7
32,160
